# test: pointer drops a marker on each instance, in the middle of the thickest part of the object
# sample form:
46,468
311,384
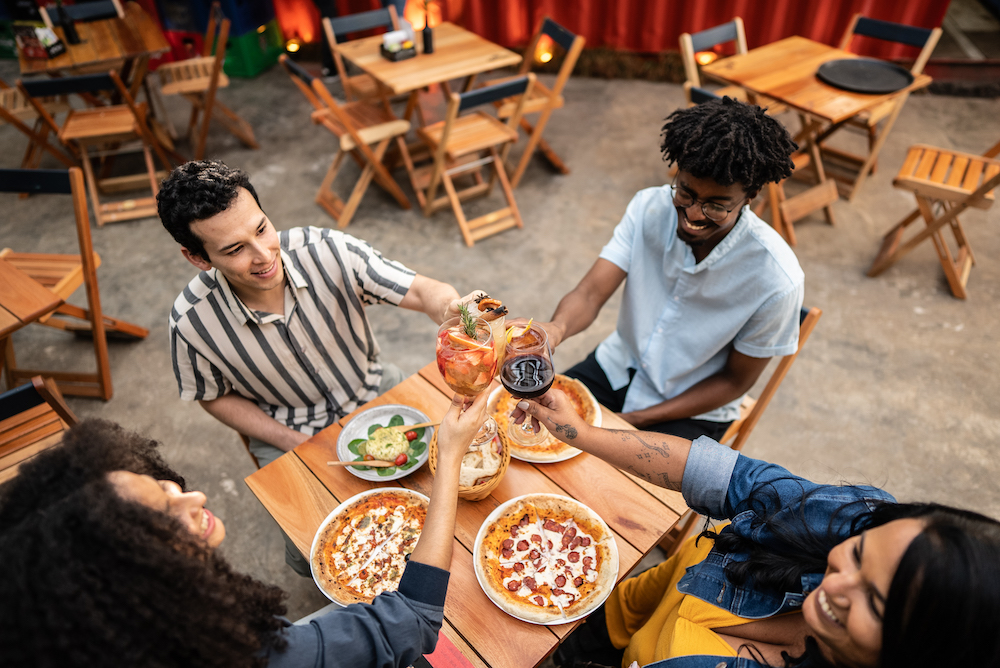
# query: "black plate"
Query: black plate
864,75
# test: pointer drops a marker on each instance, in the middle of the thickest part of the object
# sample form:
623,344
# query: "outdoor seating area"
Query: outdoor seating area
487,165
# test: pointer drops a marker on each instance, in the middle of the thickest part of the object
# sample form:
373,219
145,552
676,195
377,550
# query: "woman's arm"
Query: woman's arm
658,458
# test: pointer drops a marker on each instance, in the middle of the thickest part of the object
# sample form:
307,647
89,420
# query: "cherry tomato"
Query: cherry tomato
411,435
401,459
368,458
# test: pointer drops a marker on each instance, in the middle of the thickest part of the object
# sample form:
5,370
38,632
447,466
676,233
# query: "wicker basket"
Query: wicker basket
483,489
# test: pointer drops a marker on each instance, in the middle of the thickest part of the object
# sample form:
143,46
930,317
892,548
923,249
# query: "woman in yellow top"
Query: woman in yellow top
803,575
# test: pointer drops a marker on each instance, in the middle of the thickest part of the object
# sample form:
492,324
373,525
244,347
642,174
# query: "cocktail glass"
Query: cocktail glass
526,373
467,363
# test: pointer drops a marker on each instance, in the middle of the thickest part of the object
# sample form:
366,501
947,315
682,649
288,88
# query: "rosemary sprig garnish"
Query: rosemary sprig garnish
468,322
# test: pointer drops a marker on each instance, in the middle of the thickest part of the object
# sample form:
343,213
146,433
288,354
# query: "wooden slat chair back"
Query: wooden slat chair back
739,431
63,274
543,100
16,110
102,130
364,129
359,86
33,418
868,121
462,146
84,12
945,184
199,79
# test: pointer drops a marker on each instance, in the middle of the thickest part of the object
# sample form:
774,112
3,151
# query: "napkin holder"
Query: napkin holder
401,54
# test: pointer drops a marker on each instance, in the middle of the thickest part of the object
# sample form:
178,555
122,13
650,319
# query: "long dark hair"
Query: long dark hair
944,599
88,578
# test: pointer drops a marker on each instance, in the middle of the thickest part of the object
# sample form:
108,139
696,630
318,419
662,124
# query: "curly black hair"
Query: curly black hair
729,142
195,191
91,579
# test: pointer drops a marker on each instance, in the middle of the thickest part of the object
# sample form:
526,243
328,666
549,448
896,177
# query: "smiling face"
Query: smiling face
166,496
845,612
242,244
693,228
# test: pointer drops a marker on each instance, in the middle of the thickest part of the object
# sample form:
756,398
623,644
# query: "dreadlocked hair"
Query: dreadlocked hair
90,578
728,142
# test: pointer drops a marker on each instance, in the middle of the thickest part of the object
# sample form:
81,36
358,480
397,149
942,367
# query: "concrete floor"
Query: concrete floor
897,387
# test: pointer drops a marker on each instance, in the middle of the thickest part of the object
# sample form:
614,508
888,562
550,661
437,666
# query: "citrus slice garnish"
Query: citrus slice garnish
511,335
466,342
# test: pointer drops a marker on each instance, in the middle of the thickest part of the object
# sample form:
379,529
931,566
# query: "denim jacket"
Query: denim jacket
717,480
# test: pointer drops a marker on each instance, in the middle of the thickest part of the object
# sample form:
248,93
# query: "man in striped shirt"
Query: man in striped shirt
271,338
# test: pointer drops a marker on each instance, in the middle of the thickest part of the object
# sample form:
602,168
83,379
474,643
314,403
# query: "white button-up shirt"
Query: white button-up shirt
679,318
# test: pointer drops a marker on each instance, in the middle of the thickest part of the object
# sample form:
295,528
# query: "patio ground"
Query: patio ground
897,387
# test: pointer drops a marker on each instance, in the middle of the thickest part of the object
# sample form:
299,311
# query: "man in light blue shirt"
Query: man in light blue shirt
712,292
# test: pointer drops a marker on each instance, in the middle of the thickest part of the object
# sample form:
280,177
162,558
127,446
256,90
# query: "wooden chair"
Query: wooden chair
63,274
463,146
33,418
359,86
868,121
103,129
707,40
364,130
84,12
543,100
16,110
739,431
949,182
198,80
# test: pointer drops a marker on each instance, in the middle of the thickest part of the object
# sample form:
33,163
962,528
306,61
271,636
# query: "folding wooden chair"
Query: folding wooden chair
33,418
103,129
949,182
543,100
707,40
16,110
63,274
739,431
364,129
359,86
463,146
198,80
868,121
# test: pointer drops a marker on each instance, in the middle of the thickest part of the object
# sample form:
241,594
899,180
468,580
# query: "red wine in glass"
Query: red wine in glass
527,376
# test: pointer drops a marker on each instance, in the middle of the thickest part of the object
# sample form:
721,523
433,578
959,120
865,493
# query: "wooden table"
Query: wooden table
300,490
22,301
786,71
457,53
104,44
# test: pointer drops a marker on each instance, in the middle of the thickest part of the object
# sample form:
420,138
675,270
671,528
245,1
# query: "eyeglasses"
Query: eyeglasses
714,211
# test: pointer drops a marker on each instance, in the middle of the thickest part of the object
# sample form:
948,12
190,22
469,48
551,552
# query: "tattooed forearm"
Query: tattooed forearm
635,436
567,430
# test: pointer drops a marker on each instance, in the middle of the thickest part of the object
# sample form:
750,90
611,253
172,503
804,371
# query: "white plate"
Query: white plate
358,428
500,510
523,452
339,509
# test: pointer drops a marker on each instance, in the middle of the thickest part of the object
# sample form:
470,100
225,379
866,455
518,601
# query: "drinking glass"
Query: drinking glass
467,363
527,372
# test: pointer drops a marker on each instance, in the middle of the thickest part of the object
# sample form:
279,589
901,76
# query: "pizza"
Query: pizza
546,559
551,449
361,549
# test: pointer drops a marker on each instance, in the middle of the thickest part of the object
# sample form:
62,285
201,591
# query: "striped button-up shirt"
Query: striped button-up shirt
308,367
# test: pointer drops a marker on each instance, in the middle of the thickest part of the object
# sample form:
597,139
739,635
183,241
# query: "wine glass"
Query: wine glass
466,356
527,372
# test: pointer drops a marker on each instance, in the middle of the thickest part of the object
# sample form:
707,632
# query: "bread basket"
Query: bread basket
483,489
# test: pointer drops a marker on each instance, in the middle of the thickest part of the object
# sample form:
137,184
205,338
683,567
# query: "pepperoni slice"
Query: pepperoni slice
552,525
530,584
571,532
577,582
539,600
537,562
585,542
513,585
513,531
560,581
534,554
524,521
577,542
566,540
535,538
541,569
573,557
506,553
588,561
560,562
558,592
550,544
518,567
522,545
507,544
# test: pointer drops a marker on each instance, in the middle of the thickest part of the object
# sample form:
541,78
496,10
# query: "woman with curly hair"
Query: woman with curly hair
802,575
107,560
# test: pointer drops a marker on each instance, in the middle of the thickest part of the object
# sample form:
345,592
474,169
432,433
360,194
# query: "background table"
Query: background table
22,301
300,490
